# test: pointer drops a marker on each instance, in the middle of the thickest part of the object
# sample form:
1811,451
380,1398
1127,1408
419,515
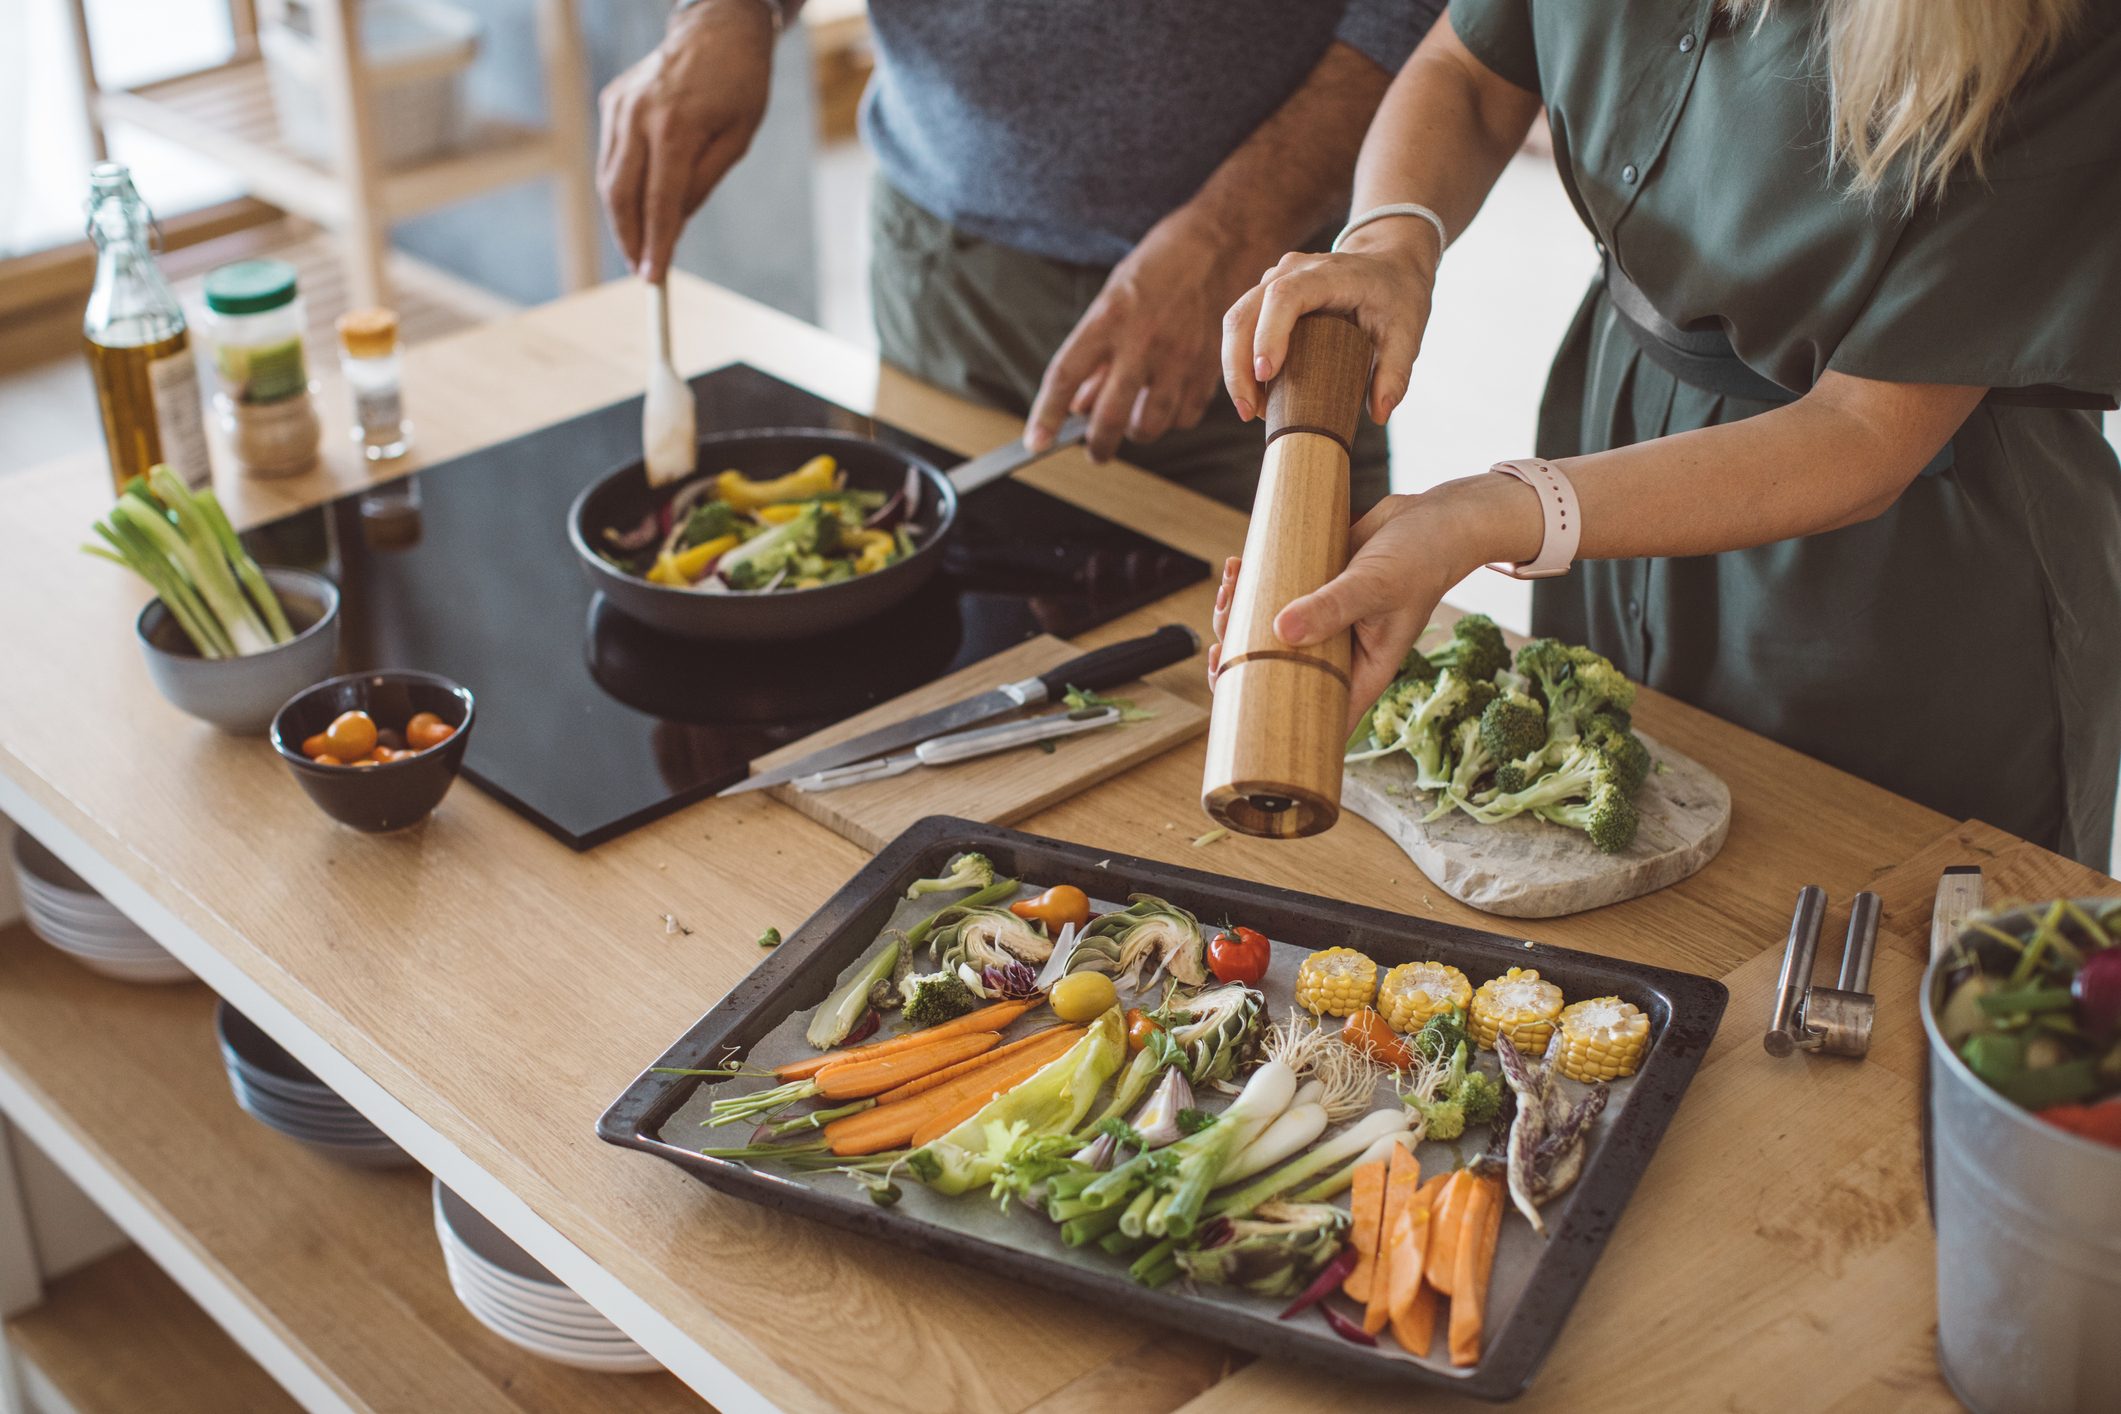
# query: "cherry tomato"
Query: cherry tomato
1056,908
1139,1029
325,758
1240,955
426,729
384,755
395,740
1367,1032
352,735
317,745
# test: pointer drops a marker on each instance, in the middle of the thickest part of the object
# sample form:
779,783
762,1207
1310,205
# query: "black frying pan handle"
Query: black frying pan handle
1122,662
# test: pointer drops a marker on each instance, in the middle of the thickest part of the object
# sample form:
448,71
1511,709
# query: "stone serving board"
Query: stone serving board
1527,868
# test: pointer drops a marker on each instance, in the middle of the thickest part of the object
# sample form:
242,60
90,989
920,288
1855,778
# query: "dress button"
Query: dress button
1628,174
1634,608
1686,43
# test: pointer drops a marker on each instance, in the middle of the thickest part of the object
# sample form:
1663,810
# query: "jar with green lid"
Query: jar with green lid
266,403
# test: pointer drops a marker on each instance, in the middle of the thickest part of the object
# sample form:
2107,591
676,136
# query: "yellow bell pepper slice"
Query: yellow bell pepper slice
691,564
813,478
665,571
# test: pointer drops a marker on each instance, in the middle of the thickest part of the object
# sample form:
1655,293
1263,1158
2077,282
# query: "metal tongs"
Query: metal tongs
1834,1021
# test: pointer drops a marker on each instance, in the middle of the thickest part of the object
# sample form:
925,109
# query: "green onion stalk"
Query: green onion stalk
181,543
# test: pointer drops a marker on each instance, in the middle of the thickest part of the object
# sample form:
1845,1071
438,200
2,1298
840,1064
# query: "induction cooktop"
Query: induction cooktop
590,722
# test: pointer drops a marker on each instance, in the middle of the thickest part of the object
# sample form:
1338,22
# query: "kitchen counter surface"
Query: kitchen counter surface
482,992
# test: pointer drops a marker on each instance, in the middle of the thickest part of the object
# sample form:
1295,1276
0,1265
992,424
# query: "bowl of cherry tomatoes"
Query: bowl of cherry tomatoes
376,751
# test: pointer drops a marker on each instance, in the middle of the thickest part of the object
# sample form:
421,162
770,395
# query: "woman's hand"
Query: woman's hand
1406,554
676,122
1383,278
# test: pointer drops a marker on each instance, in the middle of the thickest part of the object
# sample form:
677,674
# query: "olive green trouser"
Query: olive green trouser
983,320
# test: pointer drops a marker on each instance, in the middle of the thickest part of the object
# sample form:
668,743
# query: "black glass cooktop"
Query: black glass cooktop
591,723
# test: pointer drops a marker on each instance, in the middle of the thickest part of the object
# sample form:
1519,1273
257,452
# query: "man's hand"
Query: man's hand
676,122
1144,357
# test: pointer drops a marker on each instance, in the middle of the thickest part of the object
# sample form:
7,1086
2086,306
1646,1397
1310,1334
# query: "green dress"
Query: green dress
1964,648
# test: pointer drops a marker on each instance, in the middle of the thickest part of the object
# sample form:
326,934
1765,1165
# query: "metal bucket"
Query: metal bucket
2028,1245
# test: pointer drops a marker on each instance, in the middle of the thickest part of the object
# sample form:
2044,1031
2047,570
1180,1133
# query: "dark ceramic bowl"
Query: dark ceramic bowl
397,793
622,499
240,695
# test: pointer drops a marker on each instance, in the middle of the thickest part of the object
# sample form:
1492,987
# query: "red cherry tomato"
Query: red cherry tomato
1139,1029
1240,955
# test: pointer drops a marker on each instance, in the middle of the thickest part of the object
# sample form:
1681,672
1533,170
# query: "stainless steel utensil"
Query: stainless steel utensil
1014,456
962,746
1835,1020
1093,671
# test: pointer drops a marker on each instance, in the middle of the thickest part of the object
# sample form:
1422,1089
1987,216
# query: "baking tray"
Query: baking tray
1531,1294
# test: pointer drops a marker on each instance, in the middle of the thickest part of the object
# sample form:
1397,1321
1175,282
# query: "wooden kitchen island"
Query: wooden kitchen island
482,993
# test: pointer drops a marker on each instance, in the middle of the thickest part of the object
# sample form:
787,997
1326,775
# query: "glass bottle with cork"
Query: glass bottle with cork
139,349
265,405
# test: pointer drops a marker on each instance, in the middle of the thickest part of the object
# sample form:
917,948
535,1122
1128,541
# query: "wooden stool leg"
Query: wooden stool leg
85,58
571,121
365,234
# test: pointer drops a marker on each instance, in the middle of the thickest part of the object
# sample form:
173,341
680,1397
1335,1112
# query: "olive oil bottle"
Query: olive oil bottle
138,346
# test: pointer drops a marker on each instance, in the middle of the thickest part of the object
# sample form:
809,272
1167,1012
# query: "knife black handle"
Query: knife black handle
1122,662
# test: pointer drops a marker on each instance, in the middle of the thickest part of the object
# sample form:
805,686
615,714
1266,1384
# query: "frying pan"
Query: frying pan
622,499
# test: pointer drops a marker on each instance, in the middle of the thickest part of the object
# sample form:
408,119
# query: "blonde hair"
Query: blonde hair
1924,83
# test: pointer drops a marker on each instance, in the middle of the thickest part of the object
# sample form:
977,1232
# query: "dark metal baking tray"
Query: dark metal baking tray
1683,1010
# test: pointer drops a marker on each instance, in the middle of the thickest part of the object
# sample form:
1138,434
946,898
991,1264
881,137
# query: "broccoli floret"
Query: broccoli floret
782,550
936,998
1582,769
1575,682
1610,734
1442,1119
1513,727
1441,1034
1609,817
709,520
1416,665
1475,651
966,871
1480,1096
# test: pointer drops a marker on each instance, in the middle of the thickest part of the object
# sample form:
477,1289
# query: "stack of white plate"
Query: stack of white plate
521,1302
74,918
282,1094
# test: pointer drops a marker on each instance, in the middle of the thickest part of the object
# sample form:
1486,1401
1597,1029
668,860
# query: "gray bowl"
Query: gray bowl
240,695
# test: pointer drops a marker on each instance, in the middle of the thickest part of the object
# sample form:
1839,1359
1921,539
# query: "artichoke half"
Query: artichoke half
1213,1032
1274,1252
987,937
1120,944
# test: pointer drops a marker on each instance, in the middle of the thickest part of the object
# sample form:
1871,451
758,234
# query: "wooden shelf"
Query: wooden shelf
340,1265
119,1337
226,113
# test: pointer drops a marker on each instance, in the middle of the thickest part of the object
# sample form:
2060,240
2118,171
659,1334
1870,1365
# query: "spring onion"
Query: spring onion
181,543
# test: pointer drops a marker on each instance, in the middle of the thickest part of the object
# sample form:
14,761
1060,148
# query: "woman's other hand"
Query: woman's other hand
1405,556
1383,279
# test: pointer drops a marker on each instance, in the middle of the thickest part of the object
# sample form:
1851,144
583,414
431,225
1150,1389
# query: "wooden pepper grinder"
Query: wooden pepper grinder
1279,727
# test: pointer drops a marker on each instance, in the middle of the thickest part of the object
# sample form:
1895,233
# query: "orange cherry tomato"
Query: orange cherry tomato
1057,907
325,758
352,735
1367,1032
1139,1029
426,729
384,755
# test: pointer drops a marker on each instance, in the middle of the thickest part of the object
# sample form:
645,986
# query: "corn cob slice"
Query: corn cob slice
1335,982
1602,1039
1519,1005
1415,991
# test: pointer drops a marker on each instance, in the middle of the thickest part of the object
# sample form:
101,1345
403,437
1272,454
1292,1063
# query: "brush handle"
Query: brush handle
1279,726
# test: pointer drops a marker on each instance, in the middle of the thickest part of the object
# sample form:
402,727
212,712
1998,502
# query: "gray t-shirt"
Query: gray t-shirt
1068,128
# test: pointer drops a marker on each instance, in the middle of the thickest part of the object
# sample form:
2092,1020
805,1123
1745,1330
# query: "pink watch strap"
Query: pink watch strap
1557,505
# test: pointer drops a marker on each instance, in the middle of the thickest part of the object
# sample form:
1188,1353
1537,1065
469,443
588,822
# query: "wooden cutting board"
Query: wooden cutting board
995,789
1527,868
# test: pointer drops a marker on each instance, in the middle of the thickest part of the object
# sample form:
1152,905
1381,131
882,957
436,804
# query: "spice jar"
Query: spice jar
266,405
368,356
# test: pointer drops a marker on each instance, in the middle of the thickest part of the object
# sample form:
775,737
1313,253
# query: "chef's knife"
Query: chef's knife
1093,671
962,746
969,476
